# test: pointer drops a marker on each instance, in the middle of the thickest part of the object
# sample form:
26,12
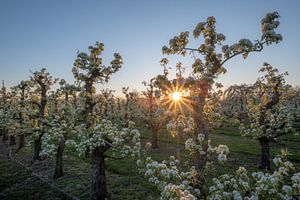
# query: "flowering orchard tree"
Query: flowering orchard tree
105,106
269,114
61,125
176,96
89,70
176,183
95,134
293,101
20,108
12,117
296,99
213,108
281,184
203,102
41,82
116,109
9,116
13,114
235,102
3,112
152,111
178,126
173,98
130,106
209,63
173,181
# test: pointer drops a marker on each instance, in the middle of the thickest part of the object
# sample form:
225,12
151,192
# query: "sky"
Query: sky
49,33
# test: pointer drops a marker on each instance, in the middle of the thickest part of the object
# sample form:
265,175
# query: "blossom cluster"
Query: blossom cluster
260,185
277,122
180,124
213,110
268,25
61,127
167,176
269,112
123,142
197,147
15,114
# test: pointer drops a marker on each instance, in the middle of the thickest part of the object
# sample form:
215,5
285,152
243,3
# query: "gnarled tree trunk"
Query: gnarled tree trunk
12,140
200,128
99,178
154,143
4,136
59,160
38,141
21,142
265,153
37,148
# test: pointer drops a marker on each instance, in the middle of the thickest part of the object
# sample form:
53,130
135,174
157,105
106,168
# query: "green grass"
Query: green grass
18,183
243,150
124,182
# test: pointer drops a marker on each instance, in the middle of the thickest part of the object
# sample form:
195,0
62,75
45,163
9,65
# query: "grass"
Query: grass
124,182
18,183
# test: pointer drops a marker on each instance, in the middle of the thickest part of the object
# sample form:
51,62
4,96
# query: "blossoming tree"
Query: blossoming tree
41,82
268,112
152,111
61,125
204,103
209,63
20,108
3,112
234,102
95,134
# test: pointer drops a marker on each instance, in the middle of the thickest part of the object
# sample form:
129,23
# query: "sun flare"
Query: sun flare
176,96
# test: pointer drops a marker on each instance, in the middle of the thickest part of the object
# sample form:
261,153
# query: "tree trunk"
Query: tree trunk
38,142
265,154
99,191
4,137
59,159
154,143
200,128
21,142
37,148
12,140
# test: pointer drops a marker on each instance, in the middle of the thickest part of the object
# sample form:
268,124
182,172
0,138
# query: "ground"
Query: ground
20,178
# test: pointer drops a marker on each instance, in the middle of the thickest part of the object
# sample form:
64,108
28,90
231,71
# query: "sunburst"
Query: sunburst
177,99
176,96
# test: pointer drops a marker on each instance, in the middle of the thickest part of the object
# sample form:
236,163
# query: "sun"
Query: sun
176,96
